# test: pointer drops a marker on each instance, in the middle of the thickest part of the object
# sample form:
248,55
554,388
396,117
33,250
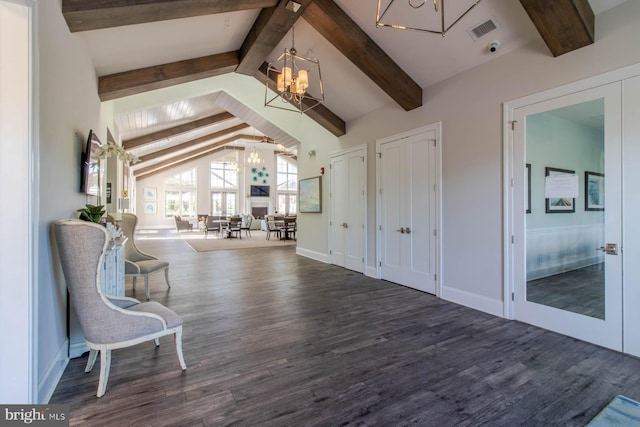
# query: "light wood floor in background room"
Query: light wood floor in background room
274,339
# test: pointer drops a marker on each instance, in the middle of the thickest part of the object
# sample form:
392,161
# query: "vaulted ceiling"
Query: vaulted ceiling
138,46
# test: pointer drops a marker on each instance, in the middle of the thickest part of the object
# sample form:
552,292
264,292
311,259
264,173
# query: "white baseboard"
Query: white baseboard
475,301
318,256
49,381
371,272
77,349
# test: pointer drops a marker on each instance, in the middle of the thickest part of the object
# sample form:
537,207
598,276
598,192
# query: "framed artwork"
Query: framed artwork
150,207
310,195
527,183
559,204
149,193
593,191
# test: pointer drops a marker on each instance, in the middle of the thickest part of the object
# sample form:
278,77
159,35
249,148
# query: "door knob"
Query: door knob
407,230
345,225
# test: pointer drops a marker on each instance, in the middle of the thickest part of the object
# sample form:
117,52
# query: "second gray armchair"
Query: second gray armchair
137,263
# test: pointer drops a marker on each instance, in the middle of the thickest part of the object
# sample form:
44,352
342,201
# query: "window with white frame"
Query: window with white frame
181,194
224,185
286,185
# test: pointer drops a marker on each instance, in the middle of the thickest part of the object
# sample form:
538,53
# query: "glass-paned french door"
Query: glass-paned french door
224,203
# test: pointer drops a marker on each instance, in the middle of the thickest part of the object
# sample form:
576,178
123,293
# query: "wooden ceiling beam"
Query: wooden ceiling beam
176,130
565,25
189,156
132,82
195,141
268,30
346,36
86,15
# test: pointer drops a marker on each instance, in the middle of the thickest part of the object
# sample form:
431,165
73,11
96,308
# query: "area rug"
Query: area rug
621,411
213,243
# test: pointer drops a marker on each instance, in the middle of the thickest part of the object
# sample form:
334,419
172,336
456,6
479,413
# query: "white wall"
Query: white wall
69,107
470,107
16,278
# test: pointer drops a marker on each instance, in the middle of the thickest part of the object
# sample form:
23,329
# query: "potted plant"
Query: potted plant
91,213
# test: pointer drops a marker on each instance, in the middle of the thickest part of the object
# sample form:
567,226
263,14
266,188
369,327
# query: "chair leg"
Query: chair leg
105,366
93,355
134,283
177,337
146,287
166,277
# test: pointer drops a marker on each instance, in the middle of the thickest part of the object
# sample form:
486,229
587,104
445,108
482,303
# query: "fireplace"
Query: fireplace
259,212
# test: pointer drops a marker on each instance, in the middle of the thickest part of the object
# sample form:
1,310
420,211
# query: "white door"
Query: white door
407,211
567,215
348,213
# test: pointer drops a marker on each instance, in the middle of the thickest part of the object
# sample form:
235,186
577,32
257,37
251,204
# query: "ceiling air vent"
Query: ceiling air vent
478,31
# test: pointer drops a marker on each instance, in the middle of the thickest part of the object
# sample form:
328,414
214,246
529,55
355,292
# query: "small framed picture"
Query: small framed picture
150,207
593,191
560,204
149,193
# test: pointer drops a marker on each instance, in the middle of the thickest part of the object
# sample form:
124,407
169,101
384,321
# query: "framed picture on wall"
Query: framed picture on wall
593,191
149,193
527,183
559,204
150,207
310,195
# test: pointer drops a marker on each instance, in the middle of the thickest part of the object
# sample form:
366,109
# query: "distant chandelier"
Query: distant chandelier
296,78
419,21
254,158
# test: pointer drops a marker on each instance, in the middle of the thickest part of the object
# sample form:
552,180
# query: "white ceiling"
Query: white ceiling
427,58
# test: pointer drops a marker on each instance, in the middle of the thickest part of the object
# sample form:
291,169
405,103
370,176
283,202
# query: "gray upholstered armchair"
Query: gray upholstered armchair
107,322
137,263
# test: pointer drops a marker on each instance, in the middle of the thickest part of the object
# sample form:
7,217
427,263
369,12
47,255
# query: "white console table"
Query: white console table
112,283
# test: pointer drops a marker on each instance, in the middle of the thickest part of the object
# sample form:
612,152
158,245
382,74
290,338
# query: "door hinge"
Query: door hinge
435,277
330,252
513,296
513,239
513,124
363,260
435,233
379,155
380,263
380,228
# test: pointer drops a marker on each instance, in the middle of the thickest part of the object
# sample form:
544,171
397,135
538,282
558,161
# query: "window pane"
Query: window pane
231,204
293,204
216,203
282,203
172,204
188,203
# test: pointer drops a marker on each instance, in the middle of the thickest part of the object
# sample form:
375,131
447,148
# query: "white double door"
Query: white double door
348,209
407,208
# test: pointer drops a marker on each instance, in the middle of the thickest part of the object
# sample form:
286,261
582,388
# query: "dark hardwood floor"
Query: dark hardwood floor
274,339
579,291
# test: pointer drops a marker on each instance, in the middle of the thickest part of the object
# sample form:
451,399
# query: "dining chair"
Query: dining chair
107,322
235,227
246,224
